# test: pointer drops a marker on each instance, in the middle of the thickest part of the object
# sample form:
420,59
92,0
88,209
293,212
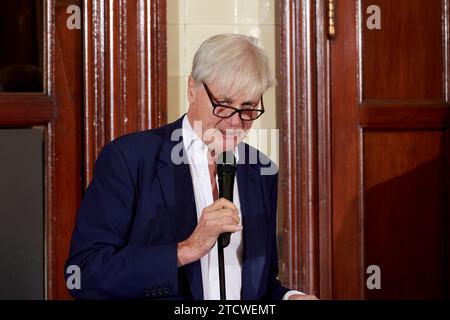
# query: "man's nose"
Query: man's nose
235,120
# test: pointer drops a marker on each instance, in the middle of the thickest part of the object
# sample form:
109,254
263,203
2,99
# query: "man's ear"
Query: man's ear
191,90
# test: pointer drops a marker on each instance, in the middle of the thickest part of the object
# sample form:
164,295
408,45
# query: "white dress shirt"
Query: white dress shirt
197,155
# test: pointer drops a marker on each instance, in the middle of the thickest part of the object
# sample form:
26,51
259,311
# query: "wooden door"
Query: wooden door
390,149
125,90
53,103
102,77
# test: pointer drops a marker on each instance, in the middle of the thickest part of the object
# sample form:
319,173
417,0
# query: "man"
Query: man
148,225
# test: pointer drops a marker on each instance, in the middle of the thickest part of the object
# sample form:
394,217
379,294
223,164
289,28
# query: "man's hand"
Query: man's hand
302,297
222,216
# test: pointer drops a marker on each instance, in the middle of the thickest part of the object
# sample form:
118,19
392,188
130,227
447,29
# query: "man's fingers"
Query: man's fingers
227,213
218,222
231,228
222,203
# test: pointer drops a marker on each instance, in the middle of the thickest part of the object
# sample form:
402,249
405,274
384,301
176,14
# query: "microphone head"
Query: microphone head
226,163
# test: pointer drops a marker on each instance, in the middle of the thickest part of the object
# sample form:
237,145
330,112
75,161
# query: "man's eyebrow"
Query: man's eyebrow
231,101
225,99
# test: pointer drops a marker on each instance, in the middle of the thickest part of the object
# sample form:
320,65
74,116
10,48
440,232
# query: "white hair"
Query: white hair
234,62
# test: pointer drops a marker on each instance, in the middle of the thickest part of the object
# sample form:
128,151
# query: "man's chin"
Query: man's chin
229,144
224,144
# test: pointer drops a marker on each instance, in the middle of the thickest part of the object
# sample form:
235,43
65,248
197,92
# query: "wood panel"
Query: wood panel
405,213
371,89
25,109
64,148
390,115
123,44
298,156
447,217
124,72
404,60
58,111
321,44
347,281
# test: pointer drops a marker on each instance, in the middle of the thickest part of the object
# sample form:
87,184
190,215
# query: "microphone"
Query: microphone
226,170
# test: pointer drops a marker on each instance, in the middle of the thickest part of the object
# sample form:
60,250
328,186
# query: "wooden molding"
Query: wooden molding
324,229
25,109
299,156
123,44
50,199
124,71
63,143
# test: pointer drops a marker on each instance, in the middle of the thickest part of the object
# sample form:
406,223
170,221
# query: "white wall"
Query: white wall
190,22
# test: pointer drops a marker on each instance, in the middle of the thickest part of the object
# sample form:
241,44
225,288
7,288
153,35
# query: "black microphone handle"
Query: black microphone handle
226,187
224,239
226,170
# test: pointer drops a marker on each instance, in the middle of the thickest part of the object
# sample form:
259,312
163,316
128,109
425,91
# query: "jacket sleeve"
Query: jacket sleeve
110,267
275,291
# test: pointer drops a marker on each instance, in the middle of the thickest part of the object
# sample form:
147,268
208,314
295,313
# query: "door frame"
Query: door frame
77,110
305,184
57,110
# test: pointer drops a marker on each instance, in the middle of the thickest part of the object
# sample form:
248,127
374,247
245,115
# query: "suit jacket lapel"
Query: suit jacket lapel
254,230
176,184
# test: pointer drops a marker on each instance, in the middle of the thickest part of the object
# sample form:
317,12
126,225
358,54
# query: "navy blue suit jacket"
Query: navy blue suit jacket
140,204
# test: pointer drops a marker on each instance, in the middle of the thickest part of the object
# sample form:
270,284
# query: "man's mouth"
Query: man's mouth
229,134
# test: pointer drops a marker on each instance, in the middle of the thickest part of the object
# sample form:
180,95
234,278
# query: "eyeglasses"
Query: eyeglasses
223,111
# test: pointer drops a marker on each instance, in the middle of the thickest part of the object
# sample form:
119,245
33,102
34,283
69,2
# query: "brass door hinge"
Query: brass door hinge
331,18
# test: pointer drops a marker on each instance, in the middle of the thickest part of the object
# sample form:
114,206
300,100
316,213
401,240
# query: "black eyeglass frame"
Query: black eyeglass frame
215,105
